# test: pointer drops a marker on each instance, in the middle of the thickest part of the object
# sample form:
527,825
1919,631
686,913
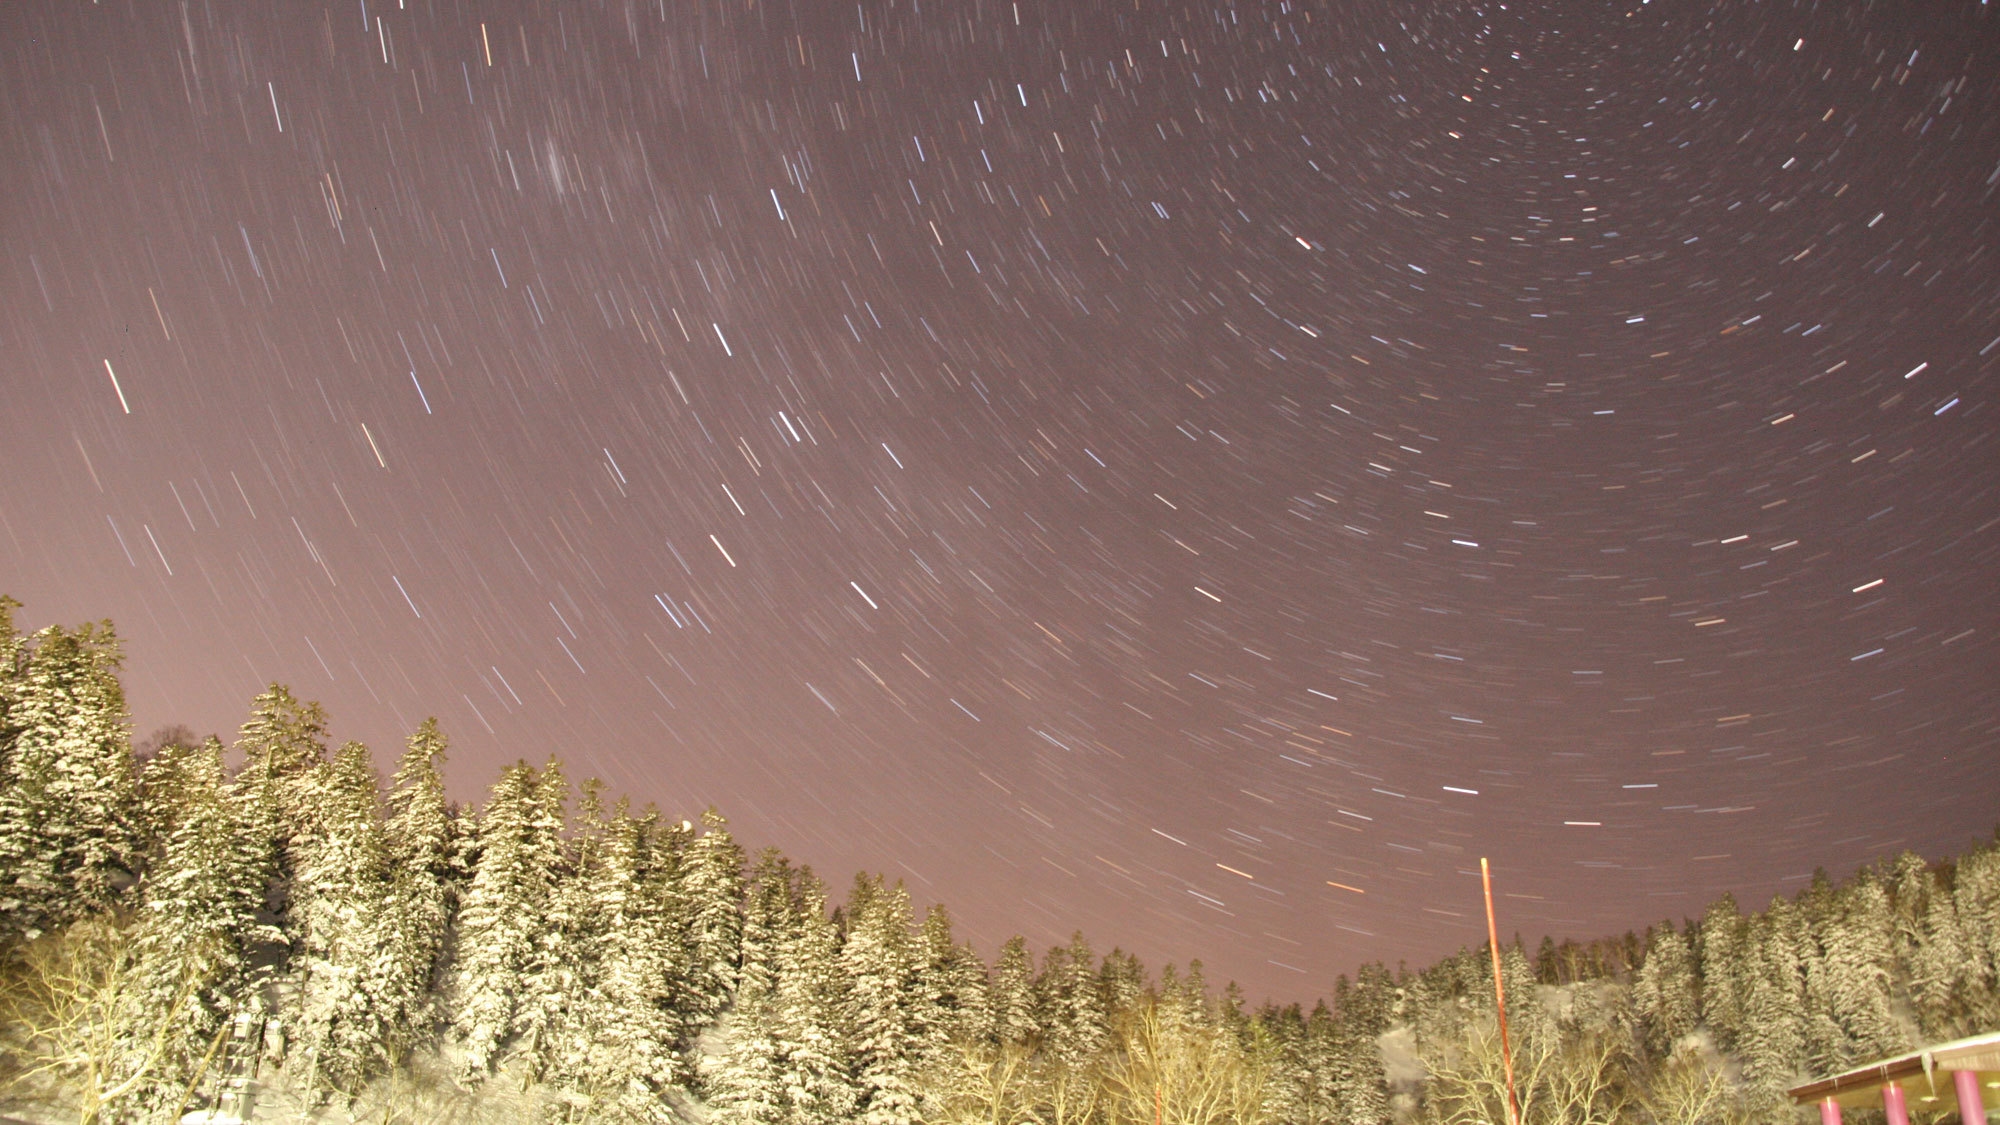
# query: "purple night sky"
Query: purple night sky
1199,474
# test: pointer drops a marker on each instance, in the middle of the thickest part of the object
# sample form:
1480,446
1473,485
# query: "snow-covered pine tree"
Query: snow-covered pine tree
562,968
1013,994
1772,1042
812,995
282,743
950,1005
711,891
1939,953
879,963
1826,1042
1859,960
747,1086
1070,1007
341,910
67,793
504,913
1121,980
1664,991
1723,970
1312,1069
614,1058
1283,1040
1976,900
203,888
669,853
422,887
1360,1089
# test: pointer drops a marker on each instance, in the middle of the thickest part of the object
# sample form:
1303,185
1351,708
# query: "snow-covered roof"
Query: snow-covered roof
1915,1071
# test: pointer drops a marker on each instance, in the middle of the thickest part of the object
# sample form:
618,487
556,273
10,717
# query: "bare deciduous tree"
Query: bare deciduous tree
1169,1070
982,1084
1691,1088
77,1015
1559,1079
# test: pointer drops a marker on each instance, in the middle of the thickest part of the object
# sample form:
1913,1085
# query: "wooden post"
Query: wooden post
1499,994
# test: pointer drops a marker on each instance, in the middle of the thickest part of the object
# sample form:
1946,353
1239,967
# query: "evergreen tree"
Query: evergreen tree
67,807
710,895
1311,1062
1771,1042
420,838
1942,957
748,1085
1664,992
1360,1090
340,910
1722,970
1074,1021
818,1088
198,914
564,943
1121,980
616,1057
1859,959
11,669
506,903
1013,994
1976,902
879,963
950,1005
13,651
769,911
283,742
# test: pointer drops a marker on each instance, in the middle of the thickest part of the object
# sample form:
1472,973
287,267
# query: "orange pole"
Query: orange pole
1499,994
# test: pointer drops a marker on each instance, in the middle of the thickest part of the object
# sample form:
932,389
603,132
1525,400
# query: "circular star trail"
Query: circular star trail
1203,475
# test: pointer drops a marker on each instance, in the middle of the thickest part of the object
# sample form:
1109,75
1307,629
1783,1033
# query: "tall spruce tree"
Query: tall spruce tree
341,911
879,962
1121,980
67,807
747,1086
1664,992
1930,941
1772,1041
1013,994
198,915
615,1059
1859,960
709,892
950,1005
1075,1023
502,922
1723,970
283,742
1360,1088
13,652
1976,901
420,836
812,1037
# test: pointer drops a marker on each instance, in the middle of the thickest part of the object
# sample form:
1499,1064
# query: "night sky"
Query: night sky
1203,474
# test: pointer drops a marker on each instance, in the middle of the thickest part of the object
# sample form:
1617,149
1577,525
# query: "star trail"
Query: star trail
1200,474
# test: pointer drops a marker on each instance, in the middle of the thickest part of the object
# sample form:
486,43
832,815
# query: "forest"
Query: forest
271,930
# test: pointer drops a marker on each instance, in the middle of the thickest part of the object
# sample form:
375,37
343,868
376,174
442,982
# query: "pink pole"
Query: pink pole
1829,1112
1895,1104
1971,1110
